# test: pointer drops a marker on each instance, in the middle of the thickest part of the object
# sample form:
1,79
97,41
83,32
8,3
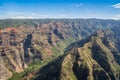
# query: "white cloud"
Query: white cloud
34,14
116,17
116,5
78,5
15,13
22,17
22,13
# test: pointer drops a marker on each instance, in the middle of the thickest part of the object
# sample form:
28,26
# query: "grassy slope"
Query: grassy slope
58,49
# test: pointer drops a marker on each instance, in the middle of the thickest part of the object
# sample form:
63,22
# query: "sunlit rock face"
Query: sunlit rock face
29,40
96,57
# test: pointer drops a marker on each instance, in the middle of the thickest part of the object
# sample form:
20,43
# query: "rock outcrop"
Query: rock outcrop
37,40
96,57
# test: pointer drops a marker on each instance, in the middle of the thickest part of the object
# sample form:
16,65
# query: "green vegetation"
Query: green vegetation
36,64
99,23
84,60
21,22
61,46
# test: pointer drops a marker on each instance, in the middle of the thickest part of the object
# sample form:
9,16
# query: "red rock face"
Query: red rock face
22,45
9,36
9,29
11,49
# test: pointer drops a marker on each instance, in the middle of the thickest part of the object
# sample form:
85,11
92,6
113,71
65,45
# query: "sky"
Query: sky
20,9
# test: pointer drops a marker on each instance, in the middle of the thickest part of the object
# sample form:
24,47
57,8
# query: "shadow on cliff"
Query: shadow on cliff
26,45
52,71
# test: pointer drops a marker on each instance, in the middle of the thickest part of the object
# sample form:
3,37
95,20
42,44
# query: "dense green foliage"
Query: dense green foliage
34,22
47,39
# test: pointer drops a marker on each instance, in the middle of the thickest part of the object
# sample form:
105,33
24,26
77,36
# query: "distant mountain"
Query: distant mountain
27,45
96,57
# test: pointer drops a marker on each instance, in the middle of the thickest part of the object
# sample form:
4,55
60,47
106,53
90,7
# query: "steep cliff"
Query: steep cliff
30,42
96,57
